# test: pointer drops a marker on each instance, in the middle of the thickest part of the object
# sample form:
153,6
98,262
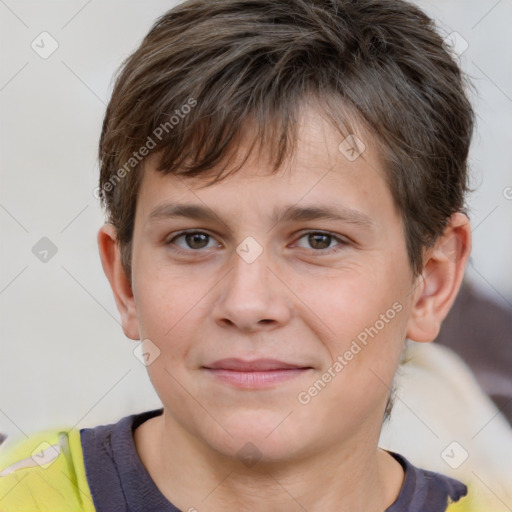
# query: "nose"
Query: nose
252,296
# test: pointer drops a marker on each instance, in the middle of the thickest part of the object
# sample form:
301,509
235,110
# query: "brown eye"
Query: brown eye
193,240
321,242
197,240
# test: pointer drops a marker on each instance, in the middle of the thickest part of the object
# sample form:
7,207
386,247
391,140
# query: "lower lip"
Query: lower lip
256,379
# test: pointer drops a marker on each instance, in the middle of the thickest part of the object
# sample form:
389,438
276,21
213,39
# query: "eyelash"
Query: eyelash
342,242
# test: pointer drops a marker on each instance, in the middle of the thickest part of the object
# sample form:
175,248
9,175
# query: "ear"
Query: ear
110,255
440,280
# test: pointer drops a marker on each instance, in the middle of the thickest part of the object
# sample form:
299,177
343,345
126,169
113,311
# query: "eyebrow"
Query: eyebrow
289,214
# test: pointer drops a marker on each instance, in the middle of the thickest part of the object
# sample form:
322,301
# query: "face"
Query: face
272,322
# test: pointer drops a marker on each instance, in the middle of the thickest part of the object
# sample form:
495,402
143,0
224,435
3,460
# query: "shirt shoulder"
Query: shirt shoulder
44,472
117,478
426,491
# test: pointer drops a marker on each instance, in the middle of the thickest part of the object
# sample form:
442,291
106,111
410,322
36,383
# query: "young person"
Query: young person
284,182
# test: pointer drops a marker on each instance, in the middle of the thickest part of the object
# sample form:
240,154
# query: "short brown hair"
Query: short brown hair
208,67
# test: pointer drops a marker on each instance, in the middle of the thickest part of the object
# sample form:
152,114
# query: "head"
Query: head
238,122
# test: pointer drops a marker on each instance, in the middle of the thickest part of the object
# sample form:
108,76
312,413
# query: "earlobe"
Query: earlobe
440,281
119,282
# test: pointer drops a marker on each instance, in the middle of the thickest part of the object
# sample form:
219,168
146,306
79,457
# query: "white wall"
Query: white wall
64,359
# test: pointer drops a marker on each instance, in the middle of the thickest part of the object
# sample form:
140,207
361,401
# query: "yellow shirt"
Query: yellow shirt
45,473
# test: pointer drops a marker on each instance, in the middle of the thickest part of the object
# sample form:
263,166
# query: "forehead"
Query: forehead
327,168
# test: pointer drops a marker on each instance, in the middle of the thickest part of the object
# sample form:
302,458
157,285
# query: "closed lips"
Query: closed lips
258,365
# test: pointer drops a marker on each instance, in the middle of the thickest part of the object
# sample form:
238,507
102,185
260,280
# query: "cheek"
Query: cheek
365,354
352,301
366,313
166,298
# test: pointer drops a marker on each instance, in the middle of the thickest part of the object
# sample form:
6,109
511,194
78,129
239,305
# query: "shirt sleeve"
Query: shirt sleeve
44,473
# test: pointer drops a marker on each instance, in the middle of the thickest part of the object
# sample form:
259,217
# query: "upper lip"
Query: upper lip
256,365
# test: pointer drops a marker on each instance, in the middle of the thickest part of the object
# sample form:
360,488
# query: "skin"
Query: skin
298,302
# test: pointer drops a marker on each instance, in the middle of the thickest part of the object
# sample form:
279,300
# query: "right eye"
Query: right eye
194,240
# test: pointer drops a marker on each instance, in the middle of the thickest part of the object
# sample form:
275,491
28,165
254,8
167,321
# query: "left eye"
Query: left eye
321,241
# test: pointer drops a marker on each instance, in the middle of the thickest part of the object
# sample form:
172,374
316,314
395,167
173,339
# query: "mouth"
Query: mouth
256,374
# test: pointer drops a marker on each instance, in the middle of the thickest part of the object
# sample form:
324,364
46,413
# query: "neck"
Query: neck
355,476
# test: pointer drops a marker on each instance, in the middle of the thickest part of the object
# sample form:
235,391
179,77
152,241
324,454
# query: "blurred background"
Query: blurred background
64,359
